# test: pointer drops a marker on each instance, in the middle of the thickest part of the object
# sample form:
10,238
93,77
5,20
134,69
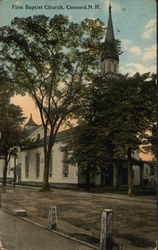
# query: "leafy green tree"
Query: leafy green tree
130,112
12,133
51,59
116,115
88,147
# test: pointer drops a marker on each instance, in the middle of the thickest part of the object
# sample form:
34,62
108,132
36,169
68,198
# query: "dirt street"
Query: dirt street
79,214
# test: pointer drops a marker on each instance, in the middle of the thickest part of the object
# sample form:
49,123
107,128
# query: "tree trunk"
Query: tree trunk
88,183
130,174
5,170
102,178
45,184
141,176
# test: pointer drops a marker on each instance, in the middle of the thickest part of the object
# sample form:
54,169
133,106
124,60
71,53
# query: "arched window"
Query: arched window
109,67
104,67
115,67
37,164
38,137
27,162
65,165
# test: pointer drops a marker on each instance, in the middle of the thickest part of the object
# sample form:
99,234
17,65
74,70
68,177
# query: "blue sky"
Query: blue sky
134,24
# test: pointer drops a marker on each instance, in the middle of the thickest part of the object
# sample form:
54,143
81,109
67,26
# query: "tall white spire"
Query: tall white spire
110,57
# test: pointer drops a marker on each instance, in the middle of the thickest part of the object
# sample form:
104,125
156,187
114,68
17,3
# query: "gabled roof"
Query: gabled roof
59,137
31,129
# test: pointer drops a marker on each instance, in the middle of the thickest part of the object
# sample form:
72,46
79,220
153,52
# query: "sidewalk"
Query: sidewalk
143,199
19,234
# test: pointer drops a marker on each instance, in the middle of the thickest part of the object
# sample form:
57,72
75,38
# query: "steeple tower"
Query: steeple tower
31,124
110,57
110,31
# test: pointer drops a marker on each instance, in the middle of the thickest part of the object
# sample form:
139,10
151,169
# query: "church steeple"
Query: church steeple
110,57
110,31
30,124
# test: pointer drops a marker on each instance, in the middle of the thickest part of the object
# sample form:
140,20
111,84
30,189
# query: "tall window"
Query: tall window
103,67
65,165
115,67
109,67
38,137
147,171
51,166
37,164
27,161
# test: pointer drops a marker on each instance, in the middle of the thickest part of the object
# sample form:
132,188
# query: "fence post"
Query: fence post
156,248
0,197
52,217
106,241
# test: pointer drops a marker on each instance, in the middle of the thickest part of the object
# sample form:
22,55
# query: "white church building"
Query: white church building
30,165
30,162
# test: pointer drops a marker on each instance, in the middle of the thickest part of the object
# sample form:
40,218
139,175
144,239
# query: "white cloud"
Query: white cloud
147,34
135,50
115,5
151,24
150,53
150,27
146,54
132,68
125,43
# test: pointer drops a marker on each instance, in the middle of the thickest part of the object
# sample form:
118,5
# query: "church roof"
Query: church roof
31,129
110,31
60,136
31,123
109,45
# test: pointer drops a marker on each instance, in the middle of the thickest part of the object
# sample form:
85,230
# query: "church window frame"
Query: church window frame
147,171
151,170
65,165
37,165
115,67
27,164
109,67
38,137
104,67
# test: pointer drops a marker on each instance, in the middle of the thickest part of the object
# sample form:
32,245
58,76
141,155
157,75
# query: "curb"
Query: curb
120,246
96,195
45,228
125,199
